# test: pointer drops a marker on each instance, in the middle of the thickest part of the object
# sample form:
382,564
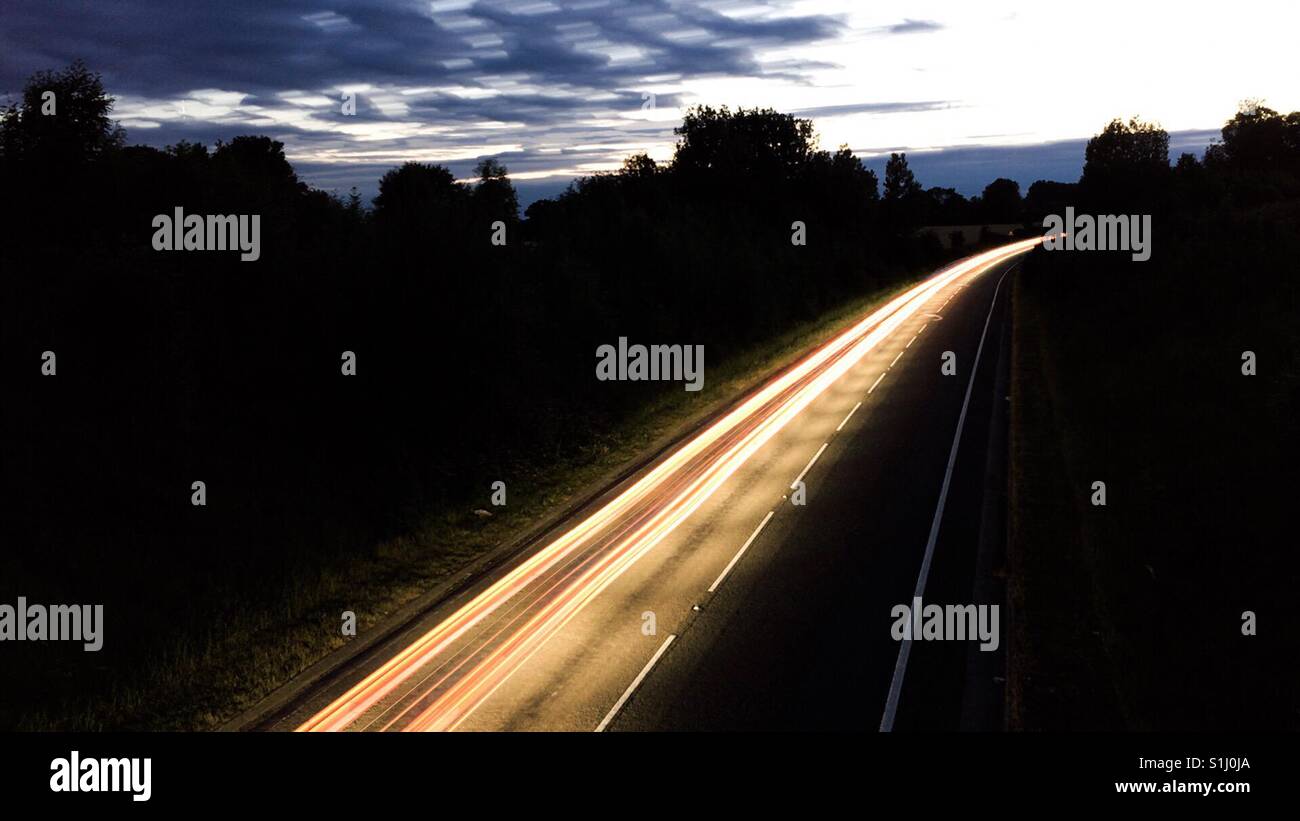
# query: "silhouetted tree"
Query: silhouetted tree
420,199
1125,165
494,194
900,182
78,129
639,166
1048,197
1001,201
256,163
1259,153
946,206
1258,139
1187,164
355,208
903,196
747,146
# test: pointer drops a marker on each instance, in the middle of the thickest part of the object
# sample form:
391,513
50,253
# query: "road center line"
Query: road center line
910,341
877,382
905,648
741,551
900,356
808,466
636,682
847,418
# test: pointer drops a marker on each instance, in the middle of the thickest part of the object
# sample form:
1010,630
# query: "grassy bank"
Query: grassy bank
1130,616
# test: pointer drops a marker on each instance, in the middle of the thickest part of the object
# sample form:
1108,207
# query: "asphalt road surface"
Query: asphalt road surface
700,594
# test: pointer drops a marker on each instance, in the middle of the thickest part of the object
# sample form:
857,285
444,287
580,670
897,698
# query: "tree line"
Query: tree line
471,354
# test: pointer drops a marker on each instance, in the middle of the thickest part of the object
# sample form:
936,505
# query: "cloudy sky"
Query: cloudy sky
557,89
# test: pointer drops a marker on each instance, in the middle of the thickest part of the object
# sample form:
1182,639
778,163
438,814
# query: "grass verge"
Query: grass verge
1130,615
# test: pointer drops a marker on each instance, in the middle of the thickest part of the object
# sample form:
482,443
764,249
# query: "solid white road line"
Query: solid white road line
636,682
905,649
808,466
847,418
741,551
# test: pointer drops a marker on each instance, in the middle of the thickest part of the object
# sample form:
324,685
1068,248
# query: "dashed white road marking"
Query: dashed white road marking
808,466
847,418
636,682
741,551
900,668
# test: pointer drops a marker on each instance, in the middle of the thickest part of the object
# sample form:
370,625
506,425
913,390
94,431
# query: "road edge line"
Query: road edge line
905,648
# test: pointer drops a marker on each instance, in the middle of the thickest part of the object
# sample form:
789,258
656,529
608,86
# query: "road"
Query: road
699,594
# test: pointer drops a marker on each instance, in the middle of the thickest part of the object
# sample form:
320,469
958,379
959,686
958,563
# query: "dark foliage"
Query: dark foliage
1141,369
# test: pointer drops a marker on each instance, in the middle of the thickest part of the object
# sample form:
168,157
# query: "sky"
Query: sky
970,90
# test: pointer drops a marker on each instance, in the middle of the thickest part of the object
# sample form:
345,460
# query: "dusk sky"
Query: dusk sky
559,89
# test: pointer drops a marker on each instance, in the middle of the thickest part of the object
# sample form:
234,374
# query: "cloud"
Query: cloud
440,79
873,108
552,89
909,26
162,48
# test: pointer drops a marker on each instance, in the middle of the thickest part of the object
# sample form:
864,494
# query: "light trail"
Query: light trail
466,657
